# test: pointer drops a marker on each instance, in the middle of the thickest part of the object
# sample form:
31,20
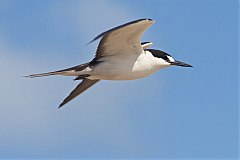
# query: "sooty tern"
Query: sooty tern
120,56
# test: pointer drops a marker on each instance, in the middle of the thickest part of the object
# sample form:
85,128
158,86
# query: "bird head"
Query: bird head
166,59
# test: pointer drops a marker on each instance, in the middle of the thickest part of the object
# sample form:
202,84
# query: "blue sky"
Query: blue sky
177,113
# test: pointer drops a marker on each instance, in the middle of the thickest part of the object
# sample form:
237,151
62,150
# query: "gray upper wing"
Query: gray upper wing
124,39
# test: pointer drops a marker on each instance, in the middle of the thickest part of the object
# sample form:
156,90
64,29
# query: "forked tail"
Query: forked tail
66,72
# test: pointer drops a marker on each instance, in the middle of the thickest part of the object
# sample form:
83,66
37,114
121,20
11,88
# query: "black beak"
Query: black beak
179,63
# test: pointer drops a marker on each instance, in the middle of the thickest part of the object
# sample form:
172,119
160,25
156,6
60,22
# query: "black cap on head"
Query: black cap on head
159,54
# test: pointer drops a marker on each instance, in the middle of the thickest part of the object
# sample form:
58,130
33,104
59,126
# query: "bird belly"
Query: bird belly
123,71
116,74
133,75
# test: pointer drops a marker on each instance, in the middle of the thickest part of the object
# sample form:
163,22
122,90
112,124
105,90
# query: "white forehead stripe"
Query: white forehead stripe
171,59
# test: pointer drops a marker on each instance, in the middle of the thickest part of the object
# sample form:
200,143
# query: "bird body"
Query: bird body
120,56
131,67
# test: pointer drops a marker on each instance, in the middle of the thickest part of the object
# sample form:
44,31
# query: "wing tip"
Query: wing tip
60,106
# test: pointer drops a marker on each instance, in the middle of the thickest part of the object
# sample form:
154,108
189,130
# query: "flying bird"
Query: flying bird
120,55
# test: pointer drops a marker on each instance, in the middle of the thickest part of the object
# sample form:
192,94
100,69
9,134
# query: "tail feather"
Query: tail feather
67,72
43,74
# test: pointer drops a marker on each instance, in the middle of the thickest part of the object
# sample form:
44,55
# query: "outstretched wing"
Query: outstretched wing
84,85
124,39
